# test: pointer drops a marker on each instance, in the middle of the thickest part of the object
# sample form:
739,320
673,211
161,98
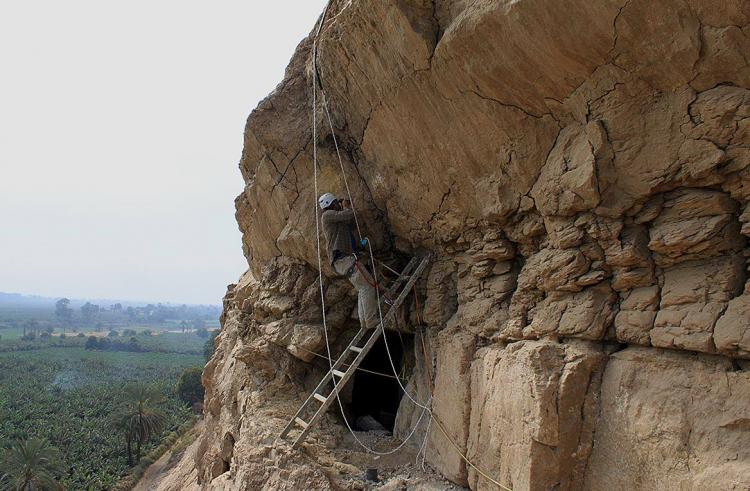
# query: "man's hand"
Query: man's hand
346,204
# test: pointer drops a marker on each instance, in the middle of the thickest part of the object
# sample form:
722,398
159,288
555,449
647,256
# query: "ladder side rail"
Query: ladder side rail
407,269
344,354
374,335
327,378
351,369
323,382
361,332
405,273
321,385
389,316
339,385
404,292
358,359
347,351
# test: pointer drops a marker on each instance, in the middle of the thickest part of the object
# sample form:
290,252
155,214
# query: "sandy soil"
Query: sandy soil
159,469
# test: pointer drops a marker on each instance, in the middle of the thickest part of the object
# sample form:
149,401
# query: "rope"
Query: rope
341,163
346,364
423,448
428,366
317,236
425,408
458,450
369,245
387,349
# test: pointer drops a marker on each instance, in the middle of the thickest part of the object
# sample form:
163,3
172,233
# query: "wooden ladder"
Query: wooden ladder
317,403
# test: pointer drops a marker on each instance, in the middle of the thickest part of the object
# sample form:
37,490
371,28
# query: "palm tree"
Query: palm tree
139,418
30,465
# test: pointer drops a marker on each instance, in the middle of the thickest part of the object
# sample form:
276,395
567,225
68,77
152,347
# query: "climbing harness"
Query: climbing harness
351,269
357,265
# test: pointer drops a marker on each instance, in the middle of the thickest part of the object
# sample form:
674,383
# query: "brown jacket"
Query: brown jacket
337,230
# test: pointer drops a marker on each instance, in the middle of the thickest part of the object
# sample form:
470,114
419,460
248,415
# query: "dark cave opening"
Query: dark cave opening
378,395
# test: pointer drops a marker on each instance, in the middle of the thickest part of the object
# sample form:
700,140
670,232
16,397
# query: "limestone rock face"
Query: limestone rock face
579,172
732,332
534,407
671,420
452,405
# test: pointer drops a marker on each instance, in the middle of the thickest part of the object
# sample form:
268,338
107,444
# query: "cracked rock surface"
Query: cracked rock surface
580,172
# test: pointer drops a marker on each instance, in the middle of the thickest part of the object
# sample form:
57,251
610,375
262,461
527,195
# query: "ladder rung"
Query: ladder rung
403,284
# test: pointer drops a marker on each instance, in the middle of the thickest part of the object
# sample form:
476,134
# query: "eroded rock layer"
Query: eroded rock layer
580,172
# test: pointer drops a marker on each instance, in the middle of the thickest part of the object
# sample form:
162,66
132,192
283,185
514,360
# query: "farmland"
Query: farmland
68,395
65,380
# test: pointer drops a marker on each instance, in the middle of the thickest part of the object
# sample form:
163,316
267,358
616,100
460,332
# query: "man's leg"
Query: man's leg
361,310
367,301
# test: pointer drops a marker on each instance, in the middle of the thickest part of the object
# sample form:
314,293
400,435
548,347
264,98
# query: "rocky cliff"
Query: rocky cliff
580,172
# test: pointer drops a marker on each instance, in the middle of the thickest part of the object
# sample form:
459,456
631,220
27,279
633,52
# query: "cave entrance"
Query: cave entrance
379,395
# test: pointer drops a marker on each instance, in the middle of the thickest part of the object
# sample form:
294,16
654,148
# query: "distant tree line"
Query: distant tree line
109,344
90,316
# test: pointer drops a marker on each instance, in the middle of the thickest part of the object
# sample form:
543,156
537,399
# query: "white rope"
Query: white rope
320,265
341,164
369,245
423,447
425,408
387,349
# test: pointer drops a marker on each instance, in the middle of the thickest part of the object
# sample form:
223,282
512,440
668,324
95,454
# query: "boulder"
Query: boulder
568,182
693,224
693,297
586,314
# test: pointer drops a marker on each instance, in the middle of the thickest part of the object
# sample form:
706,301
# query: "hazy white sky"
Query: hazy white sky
120,132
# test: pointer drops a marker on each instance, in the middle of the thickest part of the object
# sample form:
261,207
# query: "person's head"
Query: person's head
328,201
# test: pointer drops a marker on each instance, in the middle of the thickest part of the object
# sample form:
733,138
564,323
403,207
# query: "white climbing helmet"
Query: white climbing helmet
326,200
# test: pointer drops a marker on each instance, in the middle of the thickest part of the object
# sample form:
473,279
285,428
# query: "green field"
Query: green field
68,395
11,334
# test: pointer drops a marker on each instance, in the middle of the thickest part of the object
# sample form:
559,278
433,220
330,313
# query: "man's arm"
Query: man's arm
339,216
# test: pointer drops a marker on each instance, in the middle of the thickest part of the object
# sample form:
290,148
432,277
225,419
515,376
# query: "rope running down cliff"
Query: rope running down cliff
425,408
317,235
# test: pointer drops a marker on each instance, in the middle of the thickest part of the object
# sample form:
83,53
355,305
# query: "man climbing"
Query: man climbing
341,245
